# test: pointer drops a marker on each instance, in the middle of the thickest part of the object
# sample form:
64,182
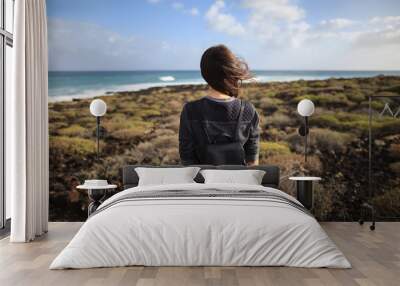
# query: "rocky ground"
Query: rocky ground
141,128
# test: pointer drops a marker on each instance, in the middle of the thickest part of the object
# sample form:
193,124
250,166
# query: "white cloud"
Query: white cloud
280,23
338,23
268,37
98,48
385,20
281,10
153,1
276,22
384,31
271,22
280,30
223,22
179,6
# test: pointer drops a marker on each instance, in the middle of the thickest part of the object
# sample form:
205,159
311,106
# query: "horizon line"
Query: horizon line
198,70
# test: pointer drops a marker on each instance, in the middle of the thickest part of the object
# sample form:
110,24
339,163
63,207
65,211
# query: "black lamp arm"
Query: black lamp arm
305,138
98,135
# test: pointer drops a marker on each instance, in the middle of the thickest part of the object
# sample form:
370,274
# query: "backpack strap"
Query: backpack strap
242,105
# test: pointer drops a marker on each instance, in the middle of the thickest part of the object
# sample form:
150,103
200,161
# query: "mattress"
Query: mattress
201,225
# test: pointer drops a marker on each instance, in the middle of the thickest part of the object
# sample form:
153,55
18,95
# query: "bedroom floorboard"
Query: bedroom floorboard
375,257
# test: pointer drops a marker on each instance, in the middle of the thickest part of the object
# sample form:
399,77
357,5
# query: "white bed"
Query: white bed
206,230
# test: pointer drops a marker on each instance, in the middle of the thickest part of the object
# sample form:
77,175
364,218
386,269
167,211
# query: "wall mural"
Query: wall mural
141,128
142,58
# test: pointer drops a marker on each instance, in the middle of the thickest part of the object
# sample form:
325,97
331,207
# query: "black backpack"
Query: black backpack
231,153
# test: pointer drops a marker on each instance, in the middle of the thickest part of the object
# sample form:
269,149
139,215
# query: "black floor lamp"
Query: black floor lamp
304,184
386,111
98,108
305,108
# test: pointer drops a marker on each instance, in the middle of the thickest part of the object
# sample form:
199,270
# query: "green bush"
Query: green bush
395,89
128,133
326,139
344,121
131,125
280,120
355,96
73,131
388,204
268,149
394,151
72,145
395,167
326,99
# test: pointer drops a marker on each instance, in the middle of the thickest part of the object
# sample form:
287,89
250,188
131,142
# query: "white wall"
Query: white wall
8,83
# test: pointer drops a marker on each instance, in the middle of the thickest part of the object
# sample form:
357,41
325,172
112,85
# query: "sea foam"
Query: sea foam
167,78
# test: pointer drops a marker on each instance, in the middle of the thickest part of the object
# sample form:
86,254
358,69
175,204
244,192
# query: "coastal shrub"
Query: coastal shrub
121,122
388,204
355,96
128,107
170,156
267,105
142,128
395,167
72,145
174,106
317,83
73,131
148,113
375,105
88,122
146,153
386,126
109,167
73,114
326,100
326,139
172,122
55,116
163,132
342,121
394,151
128,133
323,201
280,120
274,134
293,165
296,142
330,89
273,148
350,84
165,142
386,93
55,126
395,89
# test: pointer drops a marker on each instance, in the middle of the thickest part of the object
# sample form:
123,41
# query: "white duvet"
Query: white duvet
200,231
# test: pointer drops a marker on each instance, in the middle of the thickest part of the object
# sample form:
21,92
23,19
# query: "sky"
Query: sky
268,34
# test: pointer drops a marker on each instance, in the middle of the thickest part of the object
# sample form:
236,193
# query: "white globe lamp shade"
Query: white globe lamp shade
98,107
305,107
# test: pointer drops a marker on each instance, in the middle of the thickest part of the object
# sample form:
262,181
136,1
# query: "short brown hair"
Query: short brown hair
223,71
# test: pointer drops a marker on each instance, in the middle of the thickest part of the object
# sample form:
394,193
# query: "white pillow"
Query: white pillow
248,177
166,176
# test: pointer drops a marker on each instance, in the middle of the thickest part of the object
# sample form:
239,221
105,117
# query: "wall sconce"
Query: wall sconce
305,108
98,108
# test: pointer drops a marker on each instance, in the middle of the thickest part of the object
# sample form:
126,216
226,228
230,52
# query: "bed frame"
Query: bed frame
130,178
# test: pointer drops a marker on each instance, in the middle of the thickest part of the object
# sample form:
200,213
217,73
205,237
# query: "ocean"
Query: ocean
66,85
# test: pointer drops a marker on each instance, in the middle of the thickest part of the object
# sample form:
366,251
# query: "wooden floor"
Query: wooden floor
375,257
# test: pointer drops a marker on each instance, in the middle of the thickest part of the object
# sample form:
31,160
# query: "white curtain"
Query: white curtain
27,123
